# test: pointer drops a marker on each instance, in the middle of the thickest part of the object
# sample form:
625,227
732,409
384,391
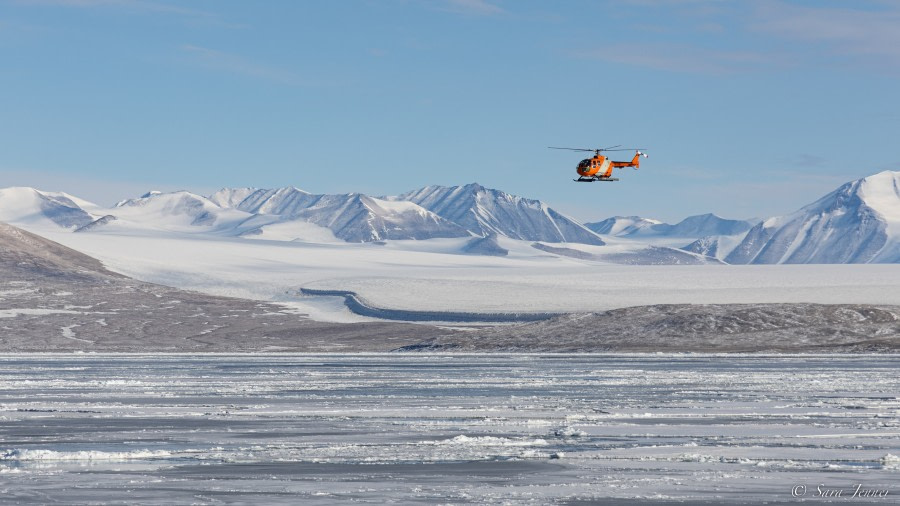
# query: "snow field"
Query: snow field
432,276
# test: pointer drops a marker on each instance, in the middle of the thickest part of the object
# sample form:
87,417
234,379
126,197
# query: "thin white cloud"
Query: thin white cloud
235,64
807,160
670,3
678,58
472,7
771,34
855,32
135,5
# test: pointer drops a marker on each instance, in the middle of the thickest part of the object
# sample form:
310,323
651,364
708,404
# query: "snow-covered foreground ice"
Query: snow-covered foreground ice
334,429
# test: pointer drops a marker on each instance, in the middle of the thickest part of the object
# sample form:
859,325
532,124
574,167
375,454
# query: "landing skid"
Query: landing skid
592,179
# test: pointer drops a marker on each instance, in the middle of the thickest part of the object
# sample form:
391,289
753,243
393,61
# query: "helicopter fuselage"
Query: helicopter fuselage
599,168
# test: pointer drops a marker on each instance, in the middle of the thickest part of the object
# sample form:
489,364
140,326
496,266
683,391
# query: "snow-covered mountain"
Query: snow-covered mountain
857,223
288,201
715,246
232,197
700,225
290,213
483,211
623,226
360,218
175,208
353,217
33,207
430,212
703,225
486,245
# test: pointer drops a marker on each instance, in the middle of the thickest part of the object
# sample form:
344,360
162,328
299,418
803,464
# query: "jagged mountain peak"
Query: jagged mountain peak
353,217
881,193
230,197
881,190
279,201
859,222
476,187
483,211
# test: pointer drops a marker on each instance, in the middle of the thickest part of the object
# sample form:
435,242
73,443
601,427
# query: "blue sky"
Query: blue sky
746,108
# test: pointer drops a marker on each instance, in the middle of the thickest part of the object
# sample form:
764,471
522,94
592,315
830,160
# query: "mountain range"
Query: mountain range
701,225
293,214
857,223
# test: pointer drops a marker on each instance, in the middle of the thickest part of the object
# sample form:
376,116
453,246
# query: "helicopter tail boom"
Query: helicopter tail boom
635,162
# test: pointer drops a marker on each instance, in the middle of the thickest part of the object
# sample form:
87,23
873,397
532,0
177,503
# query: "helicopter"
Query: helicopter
599,168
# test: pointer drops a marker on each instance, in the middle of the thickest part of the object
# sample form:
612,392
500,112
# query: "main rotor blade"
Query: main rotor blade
572,149
611,148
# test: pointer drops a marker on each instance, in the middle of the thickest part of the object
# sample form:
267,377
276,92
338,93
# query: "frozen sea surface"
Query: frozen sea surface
449,429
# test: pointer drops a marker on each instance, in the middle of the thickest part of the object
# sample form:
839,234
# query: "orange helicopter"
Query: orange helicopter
599,168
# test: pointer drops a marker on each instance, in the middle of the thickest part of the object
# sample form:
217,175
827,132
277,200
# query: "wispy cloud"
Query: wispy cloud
765,34
852,32
236,64
472,7
668,3
135,5
807,160
678,57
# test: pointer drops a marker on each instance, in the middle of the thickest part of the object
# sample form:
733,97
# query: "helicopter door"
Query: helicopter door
604,166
